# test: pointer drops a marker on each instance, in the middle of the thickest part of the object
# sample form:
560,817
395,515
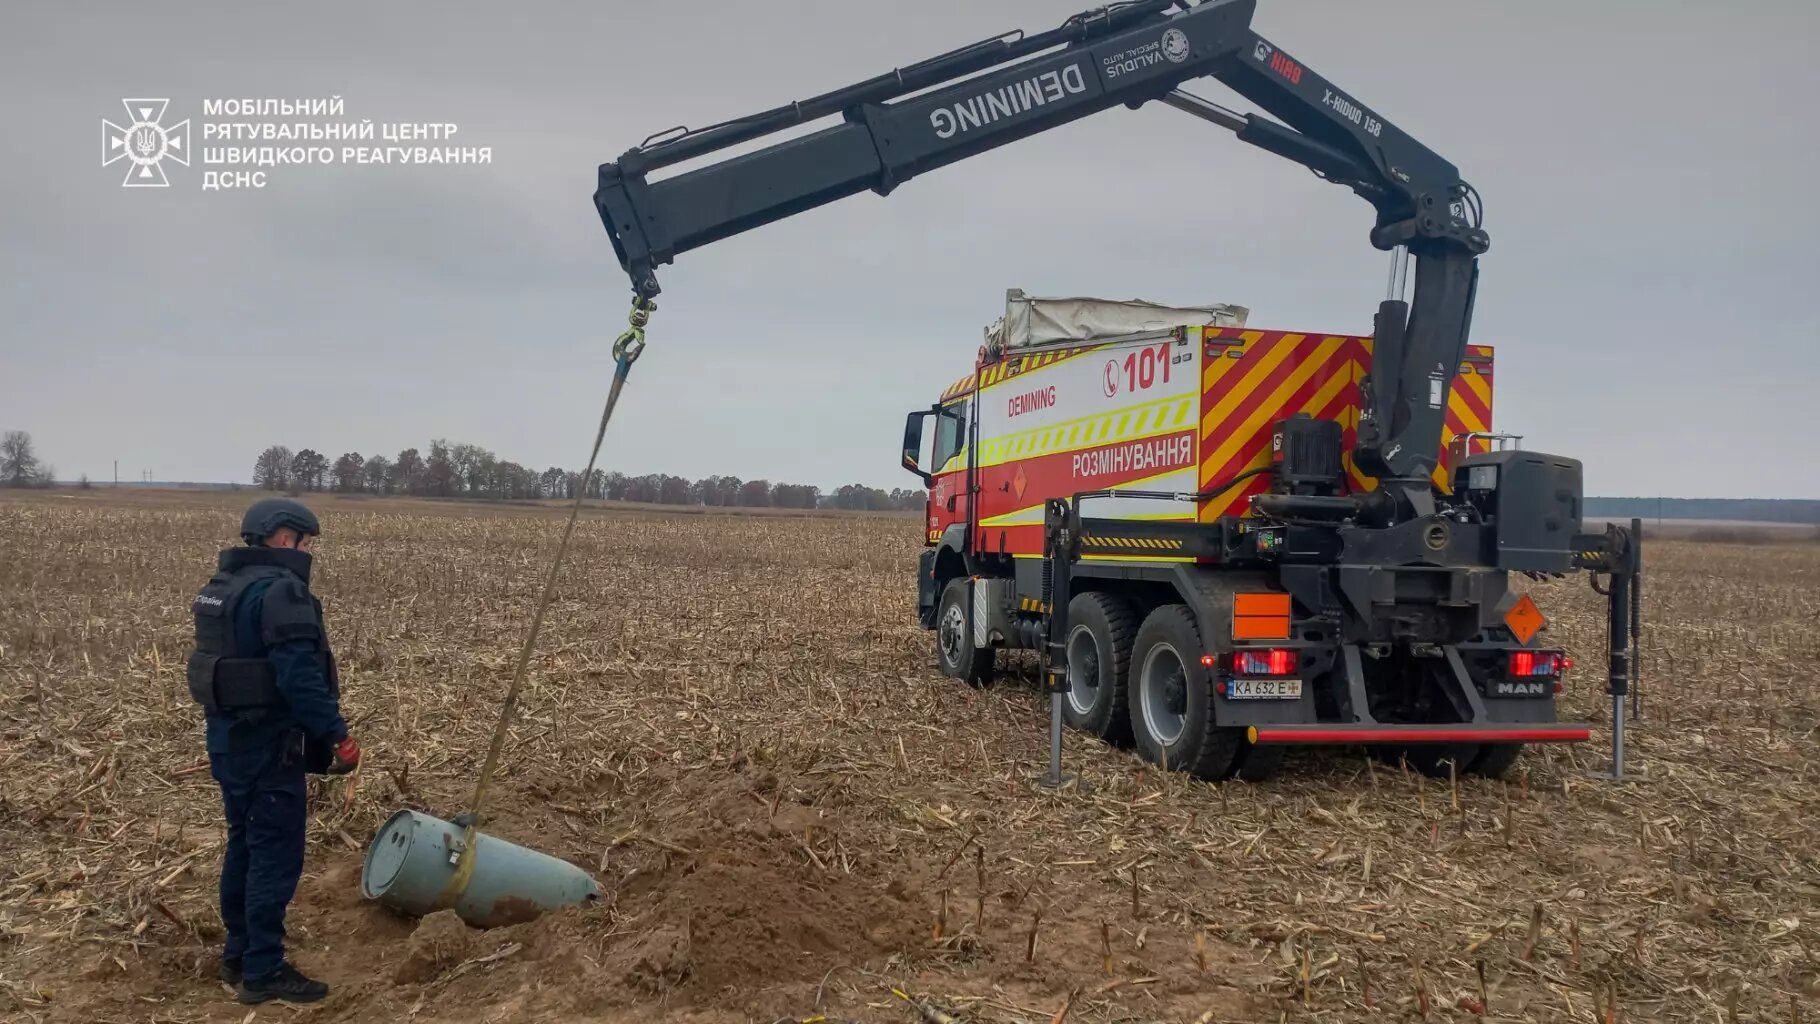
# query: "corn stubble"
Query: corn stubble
713,683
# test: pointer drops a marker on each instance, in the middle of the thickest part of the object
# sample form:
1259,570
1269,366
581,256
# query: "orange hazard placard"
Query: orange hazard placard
1260,616
1524,618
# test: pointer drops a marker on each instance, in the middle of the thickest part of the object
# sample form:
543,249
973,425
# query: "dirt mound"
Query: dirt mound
735,899
743,916
732,926
440,942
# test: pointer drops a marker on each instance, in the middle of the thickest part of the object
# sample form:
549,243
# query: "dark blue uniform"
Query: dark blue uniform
257,750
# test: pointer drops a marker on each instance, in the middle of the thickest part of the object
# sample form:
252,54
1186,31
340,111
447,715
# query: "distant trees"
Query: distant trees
308,467
796,496
717,490
349,472
407,472
19,463
272,470
860,498
378,474
554,483
438,472
457,470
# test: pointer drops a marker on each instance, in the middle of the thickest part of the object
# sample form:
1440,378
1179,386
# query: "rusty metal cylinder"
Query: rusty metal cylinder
413,857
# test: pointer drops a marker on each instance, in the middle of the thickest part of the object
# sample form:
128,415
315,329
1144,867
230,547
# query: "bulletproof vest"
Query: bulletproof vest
227,680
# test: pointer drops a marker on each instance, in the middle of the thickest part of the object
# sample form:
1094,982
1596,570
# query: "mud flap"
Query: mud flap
991,609
927,596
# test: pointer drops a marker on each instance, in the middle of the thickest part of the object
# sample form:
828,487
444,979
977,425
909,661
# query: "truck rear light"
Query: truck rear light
1530,664
1264,661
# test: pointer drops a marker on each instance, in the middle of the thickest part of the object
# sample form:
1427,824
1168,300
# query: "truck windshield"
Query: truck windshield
950,434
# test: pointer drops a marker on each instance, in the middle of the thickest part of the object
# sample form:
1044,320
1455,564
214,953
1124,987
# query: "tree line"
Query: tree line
452,470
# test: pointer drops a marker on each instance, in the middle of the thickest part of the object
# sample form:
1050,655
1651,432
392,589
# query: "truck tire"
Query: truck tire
1495,759
1098,648
954,638
1171,699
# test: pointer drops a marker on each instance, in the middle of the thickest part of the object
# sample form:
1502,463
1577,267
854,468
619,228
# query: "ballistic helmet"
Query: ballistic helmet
266,515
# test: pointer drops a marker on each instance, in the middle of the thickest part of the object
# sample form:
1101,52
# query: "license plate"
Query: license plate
1264,689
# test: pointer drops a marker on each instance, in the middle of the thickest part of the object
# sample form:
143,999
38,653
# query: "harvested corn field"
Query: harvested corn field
735,724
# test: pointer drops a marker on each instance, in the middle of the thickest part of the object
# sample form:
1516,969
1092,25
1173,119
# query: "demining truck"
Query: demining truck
1223,540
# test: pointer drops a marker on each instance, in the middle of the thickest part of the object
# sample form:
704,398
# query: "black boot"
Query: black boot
229,970
286,983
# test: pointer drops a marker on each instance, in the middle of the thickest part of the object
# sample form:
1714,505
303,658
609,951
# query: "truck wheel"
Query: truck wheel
954,638
1172,700
1432,759
1496,759
1099,654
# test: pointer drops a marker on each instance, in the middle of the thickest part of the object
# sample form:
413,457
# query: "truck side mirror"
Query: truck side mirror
913,443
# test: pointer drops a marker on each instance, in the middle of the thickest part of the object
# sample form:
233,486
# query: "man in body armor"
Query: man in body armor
266,680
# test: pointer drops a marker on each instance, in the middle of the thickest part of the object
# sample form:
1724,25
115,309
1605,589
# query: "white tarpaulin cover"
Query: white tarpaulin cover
1031,321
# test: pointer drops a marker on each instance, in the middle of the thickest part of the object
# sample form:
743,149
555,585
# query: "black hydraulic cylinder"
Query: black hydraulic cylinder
1330,161
1060,530
1636,617
1387,330
1307,506
1617,625
1618,630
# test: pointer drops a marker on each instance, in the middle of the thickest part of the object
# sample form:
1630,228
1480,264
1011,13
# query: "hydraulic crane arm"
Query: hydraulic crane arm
1012,86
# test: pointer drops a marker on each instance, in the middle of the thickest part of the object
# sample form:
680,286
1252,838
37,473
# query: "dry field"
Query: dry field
734,722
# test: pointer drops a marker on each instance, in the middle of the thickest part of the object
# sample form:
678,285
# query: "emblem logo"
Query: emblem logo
1261,51
1175,46
145,142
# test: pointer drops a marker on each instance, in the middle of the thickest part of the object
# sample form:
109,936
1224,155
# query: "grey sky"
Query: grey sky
1644,163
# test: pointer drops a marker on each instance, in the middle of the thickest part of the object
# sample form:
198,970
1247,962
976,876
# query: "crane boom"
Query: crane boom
1006,88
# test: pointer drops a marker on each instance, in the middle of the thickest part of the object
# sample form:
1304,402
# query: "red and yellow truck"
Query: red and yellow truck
1225,540
1164,424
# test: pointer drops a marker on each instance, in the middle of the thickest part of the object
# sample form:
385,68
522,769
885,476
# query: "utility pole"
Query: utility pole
116,472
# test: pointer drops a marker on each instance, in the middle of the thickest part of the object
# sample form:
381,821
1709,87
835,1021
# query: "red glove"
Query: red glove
347,757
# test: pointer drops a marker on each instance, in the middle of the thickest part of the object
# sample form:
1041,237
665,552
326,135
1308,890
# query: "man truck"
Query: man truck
1184,632
1224,541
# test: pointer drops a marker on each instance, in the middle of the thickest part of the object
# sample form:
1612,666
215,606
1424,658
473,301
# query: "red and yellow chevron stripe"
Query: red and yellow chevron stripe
1253,379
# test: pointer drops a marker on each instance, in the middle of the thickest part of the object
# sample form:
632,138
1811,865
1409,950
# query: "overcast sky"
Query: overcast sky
1646,167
